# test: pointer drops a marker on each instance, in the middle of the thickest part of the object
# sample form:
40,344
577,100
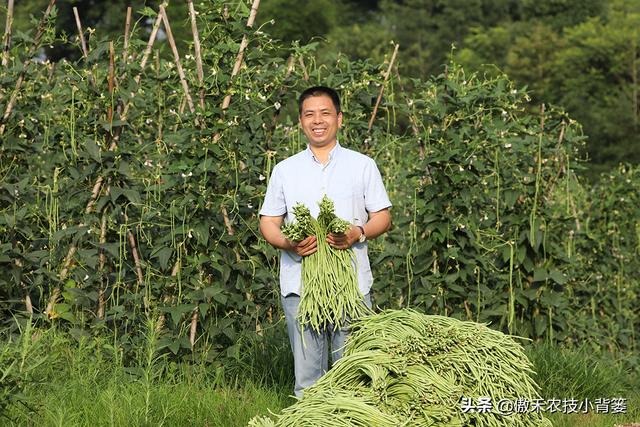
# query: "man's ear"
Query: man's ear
339,119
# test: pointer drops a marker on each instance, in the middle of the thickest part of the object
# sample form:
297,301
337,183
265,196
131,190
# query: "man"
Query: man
353,182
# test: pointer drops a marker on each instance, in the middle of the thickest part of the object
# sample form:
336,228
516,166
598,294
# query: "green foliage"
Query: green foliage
490,219
585,61
301,21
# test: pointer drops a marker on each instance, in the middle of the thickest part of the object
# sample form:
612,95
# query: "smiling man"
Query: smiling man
353,182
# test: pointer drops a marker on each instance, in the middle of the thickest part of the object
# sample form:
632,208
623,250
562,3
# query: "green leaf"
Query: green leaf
540,275
163,255
92,149
558,277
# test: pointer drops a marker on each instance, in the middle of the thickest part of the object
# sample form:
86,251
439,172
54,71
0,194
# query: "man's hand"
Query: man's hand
344,240
305,247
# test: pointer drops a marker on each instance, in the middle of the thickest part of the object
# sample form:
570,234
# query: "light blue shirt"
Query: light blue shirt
351,179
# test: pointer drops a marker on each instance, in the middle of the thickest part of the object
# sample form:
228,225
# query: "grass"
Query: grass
52,379
586,374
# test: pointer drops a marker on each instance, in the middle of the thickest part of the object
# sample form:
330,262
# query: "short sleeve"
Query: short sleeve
274,202
375,195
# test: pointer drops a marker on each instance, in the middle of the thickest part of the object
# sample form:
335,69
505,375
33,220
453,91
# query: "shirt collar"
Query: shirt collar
332,154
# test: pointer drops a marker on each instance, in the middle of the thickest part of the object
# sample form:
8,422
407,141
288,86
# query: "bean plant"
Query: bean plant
129,194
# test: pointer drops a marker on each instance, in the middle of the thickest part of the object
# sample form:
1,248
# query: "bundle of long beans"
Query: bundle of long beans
404,368
330,295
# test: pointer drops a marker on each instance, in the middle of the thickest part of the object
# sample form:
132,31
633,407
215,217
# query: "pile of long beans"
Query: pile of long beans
404,368
330,294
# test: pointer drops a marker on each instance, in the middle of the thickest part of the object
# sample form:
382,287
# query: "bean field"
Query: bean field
130,182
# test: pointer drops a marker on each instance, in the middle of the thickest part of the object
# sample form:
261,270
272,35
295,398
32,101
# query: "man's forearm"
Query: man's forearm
272,234
378,224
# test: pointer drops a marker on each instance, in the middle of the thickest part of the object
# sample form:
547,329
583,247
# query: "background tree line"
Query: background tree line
581,55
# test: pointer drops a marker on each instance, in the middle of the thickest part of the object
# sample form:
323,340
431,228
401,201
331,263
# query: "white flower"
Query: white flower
277,105
513,91
250,206
507,145
261,177
86,276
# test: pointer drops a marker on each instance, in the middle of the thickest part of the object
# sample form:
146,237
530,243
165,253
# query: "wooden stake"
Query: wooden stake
243,46
102,261
85,52
193,328
136,256
227,222
127,26
143,64
176,58
111,82
197,50
304,69
7,34
386,77
34,47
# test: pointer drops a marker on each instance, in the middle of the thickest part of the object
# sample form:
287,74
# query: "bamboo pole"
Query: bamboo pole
386,78
240,55
227,99
102,261
136,255
193,327
83,43
197,50
143,64
227,222
7,34
127,26
236,67
176,58
111,82
36,44
305,73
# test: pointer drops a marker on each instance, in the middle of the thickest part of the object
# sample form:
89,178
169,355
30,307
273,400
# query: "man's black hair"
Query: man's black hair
319,91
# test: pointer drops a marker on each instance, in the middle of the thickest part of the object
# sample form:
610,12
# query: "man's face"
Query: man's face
320,121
